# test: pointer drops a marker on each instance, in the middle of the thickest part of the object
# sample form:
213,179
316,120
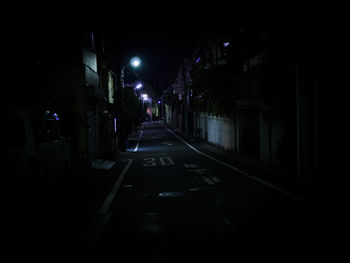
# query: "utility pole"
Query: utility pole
121,111
298,113
185,97
134,62
306,103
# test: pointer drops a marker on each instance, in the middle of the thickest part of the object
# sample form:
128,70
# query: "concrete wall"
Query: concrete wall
216,130
90,59
168,116
270,136
223,133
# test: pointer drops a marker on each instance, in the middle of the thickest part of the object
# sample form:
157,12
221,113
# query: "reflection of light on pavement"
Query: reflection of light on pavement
151,149
171,194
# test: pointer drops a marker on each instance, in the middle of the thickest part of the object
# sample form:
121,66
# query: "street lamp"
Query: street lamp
135,62
138,86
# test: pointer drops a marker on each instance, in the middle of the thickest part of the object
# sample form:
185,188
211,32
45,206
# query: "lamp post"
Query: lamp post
134,62
138,86
144,101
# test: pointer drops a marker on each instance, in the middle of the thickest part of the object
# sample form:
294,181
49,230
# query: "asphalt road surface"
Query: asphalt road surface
175,200
167,199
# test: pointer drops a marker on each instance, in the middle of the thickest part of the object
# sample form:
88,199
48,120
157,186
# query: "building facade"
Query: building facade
251,89
68,72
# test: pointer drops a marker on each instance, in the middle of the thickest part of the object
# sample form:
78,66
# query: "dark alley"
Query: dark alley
164,134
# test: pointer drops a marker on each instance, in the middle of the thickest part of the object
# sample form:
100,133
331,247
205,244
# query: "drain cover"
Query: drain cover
171,194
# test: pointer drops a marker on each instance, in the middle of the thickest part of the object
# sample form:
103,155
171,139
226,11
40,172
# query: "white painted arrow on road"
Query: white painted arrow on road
200,171
190,165
215,179
167,143
207,180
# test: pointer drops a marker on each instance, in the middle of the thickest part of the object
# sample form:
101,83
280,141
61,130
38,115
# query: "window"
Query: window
110,88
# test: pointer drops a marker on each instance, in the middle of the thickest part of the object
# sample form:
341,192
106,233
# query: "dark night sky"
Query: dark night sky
161,34
160,37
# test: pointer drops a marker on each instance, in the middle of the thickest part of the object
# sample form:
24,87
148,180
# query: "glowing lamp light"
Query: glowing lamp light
56,116
145,96
135,62
138,86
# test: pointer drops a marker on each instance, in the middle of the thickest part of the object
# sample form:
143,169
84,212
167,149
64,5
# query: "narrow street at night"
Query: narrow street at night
181,199
167,133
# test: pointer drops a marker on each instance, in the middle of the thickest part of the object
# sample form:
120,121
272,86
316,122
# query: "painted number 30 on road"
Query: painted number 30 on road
153,161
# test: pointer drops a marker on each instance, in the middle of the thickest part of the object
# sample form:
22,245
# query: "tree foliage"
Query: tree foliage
133,110
213,90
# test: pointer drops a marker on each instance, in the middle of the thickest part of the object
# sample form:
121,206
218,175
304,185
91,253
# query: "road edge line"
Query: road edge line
108,201
270,185
138,141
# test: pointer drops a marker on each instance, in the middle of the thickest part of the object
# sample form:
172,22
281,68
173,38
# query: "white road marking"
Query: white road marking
215,179
108,201
138,141
275,187
166,160
149,162
159,136
169,143
231,226
137,146
102,164
200,171
207,180
195,189
191,165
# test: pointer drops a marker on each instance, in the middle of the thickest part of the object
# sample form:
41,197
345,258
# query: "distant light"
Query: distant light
158,101
226,44
115,124
135,62
145,96
198,59
56,116
138,86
